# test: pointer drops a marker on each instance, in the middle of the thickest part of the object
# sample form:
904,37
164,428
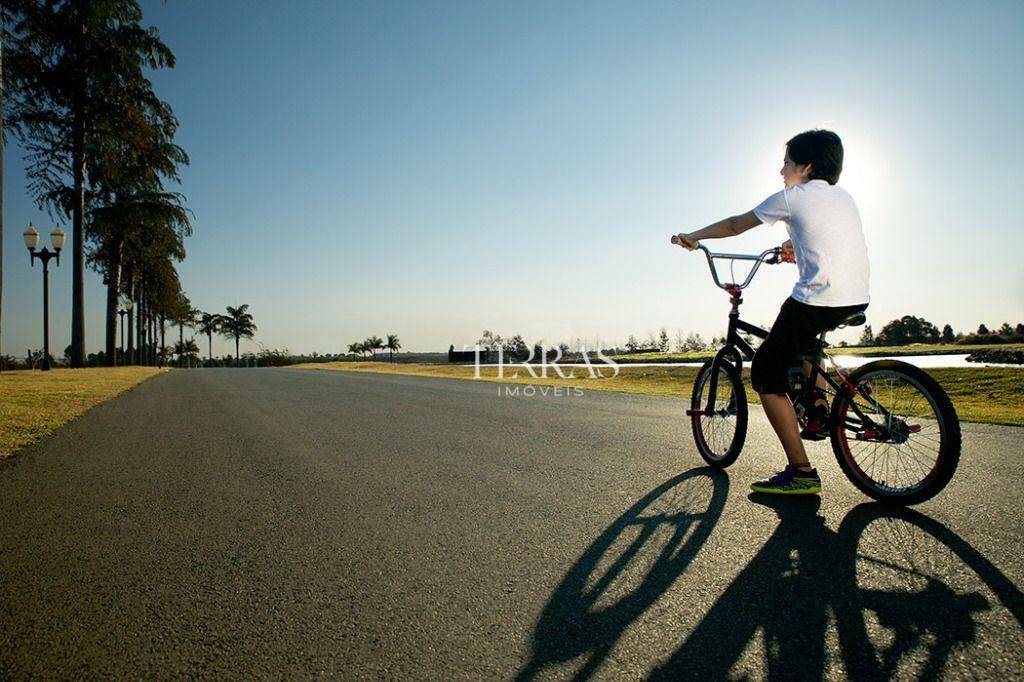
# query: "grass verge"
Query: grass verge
993,395
33,404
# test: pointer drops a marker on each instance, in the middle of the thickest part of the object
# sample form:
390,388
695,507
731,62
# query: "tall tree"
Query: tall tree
133,230
487,339
3,40
209,324
867,336
162,288
663,342
237,324
907,329
129,203
373,344
184,315
73,65
516,347
8,8
187,352
392,345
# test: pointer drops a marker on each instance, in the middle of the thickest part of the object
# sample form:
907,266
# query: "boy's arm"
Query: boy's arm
730,227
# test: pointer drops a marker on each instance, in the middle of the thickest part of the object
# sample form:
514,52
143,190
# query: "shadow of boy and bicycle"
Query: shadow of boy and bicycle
901,589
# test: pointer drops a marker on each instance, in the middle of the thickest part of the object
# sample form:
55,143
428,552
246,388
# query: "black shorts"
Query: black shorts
791,338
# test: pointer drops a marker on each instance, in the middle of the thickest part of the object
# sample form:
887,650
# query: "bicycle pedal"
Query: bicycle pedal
813,434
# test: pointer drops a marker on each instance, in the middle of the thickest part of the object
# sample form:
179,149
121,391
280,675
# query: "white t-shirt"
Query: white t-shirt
828,241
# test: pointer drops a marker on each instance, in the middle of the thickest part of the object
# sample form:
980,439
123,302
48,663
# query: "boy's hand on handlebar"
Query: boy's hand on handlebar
683,240
788,256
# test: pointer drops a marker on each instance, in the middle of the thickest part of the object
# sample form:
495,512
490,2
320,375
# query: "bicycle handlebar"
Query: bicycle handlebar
771,257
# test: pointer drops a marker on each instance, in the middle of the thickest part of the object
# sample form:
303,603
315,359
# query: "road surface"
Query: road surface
295,523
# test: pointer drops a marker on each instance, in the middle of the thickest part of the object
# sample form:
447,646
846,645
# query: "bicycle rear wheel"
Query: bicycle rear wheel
719,434
909,449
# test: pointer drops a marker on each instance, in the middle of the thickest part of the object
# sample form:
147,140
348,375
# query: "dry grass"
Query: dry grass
33,404
993,395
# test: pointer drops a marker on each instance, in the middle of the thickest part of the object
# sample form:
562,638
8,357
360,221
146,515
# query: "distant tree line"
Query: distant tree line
683,342
150,346
515,348
905,330
372,344
911,329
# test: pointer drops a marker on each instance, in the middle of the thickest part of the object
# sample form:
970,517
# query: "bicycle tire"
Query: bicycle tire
726,455
948,428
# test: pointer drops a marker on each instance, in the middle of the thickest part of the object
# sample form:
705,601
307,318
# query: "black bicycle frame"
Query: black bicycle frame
736,349
735,346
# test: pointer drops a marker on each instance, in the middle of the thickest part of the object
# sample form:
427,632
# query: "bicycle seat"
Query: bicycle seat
851,320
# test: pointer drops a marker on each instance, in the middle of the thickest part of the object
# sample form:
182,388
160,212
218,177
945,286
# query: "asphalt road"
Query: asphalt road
291,523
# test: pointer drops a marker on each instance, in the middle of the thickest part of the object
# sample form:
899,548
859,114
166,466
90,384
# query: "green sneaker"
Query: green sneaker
790,481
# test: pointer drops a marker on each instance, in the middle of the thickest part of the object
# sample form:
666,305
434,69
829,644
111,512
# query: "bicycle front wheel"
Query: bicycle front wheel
719,433
906,446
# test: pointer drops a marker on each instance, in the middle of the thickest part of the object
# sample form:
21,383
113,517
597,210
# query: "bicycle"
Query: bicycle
893,429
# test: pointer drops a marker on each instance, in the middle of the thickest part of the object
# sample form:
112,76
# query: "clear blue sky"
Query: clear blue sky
434,169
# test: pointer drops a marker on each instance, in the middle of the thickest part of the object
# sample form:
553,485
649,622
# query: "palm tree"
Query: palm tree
373,344
136,226
392,346
187,351
74,67
3,22
184,315
135,235
237,324
355,348
4,19
209,324
128,201
163,291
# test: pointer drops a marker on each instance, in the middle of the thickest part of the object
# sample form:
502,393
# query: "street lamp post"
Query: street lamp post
121,313
57,238
132,341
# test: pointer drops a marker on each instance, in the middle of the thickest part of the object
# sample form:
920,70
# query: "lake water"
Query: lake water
923,361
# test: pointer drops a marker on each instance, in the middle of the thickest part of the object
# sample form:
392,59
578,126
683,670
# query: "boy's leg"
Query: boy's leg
819,406
820,379
769,377
783,419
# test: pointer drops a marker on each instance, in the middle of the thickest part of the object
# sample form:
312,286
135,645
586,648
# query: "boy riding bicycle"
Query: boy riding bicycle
827,244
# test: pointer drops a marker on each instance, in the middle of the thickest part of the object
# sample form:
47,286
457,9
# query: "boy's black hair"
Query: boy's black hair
822,149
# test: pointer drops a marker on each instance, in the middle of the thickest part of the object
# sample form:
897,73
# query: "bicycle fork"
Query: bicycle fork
716,365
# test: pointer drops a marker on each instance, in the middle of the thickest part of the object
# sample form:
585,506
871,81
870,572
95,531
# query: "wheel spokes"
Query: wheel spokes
719,427
905,446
